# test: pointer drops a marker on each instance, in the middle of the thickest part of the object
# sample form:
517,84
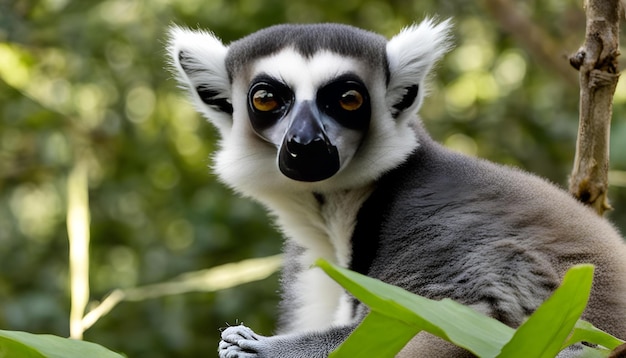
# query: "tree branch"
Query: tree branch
208,280
597,63
78,234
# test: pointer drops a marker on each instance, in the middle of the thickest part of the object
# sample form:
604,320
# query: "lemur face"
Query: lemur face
314,107
315,111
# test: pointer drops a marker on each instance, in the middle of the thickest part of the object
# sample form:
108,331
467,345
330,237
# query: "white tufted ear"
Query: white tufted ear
411,55
198,58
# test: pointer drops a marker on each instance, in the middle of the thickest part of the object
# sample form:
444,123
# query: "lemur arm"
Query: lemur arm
241,342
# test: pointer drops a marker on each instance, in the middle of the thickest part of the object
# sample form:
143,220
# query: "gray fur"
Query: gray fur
308,40
491,236
404,209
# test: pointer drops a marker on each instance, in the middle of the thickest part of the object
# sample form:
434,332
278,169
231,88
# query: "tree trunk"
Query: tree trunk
596,61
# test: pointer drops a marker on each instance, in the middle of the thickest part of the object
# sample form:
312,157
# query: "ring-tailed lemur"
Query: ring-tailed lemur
318,123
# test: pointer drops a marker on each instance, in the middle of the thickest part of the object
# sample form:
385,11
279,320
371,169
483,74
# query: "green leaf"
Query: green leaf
367,340
27,345
447,319
585,331
401,314
543,334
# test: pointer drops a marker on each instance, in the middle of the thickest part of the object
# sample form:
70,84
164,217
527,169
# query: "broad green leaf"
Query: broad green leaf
10,348
543,334
27,345
447,319
585,331
377,336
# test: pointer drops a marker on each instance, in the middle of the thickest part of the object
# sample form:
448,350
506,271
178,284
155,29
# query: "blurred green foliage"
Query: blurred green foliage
87,79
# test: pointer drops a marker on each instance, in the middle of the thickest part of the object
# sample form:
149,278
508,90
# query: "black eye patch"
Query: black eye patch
346,100
268,101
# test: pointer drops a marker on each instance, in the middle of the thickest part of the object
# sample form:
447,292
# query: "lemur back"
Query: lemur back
488,236
319,123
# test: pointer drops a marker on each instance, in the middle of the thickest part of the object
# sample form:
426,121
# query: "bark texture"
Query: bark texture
597,63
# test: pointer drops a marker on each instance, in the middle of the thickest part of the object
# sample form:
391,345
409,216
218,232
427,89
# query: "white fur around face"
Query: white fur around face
304,76
248,163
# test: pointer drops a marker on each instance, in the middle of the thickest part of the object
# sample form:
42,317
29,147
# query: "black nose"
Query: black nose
296,147
310,162
306,153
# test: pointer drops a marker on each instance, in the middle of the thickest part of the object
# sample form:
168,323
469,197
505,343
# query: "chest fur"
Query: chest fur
322,225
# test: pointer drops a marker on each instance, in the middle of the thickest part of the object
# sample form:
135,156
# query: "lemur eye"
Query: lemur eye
264,101
347,101
351,100
268,101
269,98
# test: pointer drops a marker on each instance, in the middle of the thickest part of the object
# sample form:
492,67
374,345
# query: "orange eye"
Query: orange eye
351,100
264,101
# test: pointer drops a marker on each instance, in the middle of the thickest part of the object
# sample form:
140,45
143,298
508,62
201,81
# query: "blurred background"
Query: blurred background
86,81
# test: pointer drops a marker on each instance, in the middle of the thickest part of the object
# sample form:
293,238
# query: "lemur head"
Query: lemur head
316,107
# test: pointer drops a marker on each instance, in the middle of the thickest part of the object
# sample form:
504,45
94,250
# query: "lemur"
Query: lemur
319,123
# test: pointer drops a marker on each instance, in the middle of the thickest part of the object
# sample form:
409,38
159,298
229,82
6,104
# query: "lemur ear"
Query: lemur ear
198,60
411,55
